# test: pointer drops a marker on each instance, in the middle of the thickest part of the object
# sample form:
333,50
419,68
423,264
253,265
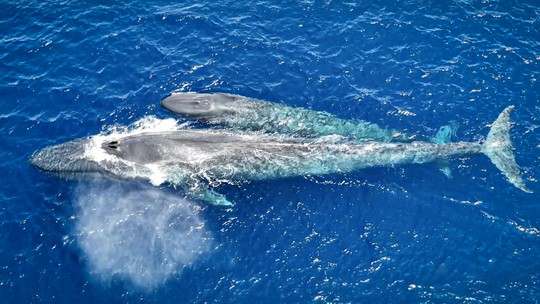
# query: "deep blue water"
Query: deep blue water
386,235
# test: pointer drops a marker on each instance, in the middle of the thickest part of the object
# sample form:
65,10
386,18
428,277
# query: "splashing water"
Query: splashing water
138,233
93,150
143,125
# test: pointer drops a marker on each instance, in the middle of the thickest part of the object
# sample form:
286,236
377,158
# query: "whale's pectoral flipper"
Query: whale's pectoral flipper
212,197
444,135
499,149
200,191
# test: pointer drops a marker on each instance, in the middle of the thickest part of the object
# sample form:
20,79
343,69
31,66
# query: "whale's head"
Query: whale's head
65,160
200,106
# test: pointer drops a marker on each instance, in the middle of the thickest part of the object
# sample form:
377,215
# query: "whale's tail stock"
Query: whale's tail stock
498,147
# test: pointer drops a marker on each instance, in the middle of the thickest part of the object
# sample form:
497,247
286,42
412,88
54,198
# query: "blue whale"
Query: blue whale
198,159
250,114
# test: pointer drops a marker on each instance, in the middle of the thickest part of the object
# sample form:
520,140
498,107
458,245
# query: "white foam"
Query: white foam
157,176
95,152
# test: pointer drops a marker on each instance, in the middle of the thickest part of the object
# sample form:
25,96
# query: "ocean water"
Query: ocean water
385,235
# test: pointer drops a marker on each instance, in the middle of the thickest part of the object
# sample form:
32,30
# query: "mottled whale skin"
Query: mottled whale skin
244,113
195,159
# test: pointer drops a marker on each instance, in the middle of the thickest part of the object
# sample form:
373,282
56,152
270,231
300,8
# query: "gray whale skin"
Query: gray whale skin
197,159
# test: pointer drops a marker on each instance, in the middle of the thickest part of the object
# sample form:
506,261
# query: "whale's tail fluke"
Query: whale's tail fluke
499,149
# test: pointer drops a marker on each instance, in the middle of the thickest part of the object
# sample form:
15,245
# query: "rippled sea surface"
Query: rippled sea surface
385,235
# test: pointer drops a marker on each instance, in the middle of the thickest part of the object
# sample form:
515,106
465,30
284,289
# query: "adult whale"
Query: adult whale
196,159
250,114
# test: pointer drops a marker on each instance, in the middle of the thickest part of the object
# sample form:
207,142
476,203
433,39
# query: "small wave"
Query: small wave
519,227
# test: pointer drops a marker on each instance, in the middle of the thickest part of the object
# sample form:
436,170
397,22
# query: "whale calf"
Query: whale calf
250,114
197,159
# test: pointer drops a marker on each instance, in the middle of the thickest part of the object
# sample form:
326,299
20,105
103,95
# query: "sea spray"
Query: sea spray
138,233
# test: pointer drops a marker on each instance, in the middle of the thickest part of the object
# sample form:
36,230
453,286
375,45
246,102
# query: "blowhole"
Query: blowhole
111,145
